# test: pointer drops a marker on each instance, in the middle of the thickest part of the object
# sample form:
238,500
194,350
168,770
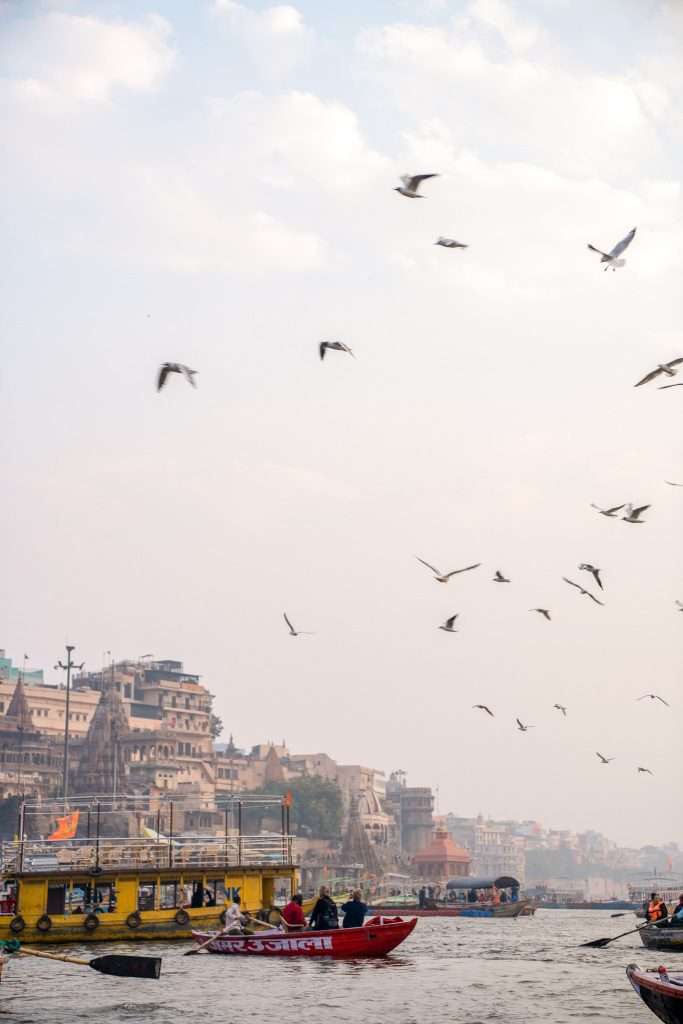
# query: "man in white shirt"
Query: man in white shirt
234,918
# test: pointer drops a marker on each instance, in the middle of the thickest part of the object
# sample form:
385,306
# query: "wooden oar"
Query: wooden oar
599,943
121,966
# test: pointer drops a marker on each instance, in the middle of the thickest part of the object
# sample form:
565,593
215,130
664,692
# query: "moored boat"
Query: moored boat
661,992
668,939
492,900
377,937
518,909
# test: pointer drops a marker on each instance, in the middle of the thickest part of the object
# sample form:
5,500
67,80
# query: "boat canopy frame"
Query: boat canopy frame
474,882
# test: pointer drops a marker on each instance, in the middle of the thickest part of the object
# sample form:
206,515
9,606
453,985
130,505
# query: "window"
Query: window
168,895
147,895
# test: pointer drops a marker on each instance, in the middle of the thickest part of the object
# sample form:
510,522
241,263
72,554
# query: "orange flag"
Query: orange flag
287,799
66,827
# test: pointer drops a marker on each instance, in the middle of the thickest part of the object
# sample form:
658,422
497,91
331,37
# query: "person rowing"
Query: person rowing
292,914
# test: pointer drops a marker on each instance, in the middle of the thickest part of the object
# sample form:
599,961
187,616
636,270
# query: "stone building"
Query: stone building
442,859
30,766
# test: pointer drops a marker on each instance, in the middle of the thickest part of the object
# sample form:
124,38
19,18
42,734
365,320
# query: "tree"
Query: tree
317,807
215,725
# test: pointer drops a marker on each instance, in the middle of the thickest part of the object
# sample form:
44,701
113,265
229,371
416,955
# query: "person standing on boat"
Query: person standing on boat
293,915
354,910
656,909
422,898
324,914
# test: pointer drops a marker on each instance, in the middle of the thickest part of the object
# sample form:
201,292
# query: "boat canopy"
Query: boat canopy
472,882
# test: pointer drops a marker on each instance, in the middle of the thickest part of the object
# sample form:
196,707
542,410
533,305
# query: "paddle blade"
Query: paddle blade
596,943
128,966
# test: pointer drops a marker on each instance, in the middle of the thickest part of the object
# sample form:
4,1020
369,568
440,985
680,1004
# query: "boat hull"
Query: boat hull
659,993
375,938
667,939
521,907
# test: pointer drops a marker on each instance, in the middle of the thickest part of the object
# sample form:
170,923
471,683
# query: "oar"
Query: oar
121,966
599,943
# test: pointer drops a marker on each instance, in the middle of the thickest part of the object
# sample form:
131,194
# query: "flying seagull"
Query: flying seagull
605,760
448,625
672,483
667,368
292,631
167,368
633,514
582,590
653,696
450,243
647,770
595,573
522,727
611,258
499,578
338,346
444,577
482,707
411,185
561,708
541,611
679,605
663,387
610,512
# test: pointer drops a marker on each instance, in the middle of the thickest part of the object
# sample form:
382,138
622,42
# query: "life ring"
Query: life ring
182,918
44,923
223,917
91,922
134,920
17,924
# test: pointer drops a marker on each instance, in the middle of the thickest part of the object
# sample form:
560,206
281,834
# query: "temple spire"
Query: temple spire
18,708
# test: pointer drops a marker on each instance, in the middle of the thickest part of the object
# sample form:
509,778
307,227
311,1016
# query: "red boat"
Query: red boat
376,937
660,991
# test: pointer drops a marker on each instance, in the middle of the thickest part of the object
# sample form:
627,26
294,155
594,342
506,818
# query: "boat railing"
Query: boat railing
30,856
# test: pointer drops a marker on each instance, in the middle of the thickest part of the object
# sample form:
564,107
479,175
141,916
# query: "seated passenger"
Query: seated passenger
656,909
293,915
324,914
354,910
677,915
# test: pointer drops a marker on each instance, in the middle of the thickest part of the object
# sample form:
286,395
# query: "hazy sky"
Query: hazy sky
212,183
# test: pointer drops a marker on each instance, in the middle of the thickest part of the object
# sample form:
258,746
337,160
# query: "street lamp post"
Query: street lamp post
67,668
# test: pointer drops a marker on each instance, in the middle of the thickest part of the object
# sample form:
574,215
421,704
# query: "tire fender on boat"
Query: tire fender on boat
44,923
91,922
182,918
134,920
17,924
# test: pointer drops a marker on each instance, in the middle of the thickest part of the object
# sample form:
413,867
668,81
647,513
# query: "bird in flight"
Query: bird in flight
338,346
560,707
646,770
653,696
292,631
595,573
633,514
167,368
672,483
411,185
522,727
611,258
582,590
667,368
499,578
679,605
482,707
448,625
541,611
604,760
663,387
444,577
450,243
610,512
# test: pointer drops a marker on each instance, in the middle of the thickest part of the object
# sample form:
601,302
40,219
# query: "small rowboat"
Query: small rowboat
668,939
518,909
376,937
661,992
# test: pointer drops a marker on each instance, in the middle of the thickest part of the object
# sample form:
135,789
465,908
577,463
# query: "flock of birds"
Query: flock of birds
410,188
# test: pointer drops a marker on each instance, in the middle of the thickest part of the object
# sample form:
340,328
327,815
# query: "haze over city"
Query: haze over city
213,184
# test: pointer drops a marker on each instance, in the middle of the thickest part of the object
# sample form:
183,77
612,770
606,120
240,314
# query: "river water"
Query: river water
457,971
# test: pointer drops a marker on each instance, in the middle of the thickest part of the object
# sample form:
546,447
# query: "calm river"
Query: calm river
461,972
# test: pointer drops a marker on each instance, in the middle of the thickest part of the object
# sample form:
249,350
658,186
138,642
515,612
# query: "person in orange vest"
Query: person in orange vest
656,909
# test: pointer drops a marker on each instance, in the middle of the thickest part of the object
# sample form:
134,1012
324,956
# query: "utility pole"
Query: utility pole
67,668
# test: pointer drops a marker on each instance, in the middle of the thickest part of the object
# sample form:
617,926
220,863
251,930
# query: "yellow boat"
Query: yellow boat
136,889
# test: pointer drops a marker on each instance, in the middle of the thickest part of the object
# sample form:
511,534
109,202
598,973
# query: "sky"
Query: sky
212,183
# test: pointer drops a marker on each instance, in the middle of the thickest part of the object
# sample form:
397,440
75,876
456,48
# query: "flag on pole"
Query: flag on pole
287,799
66,827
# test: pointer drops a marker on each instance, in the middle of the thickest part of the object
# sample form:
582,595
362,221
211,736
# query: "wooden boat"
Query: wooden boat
668,939
661,992
517,909
376,937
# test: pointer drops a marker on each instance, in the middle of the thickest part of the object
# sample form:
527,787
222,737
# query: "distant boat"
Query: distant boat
660,991
668,939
